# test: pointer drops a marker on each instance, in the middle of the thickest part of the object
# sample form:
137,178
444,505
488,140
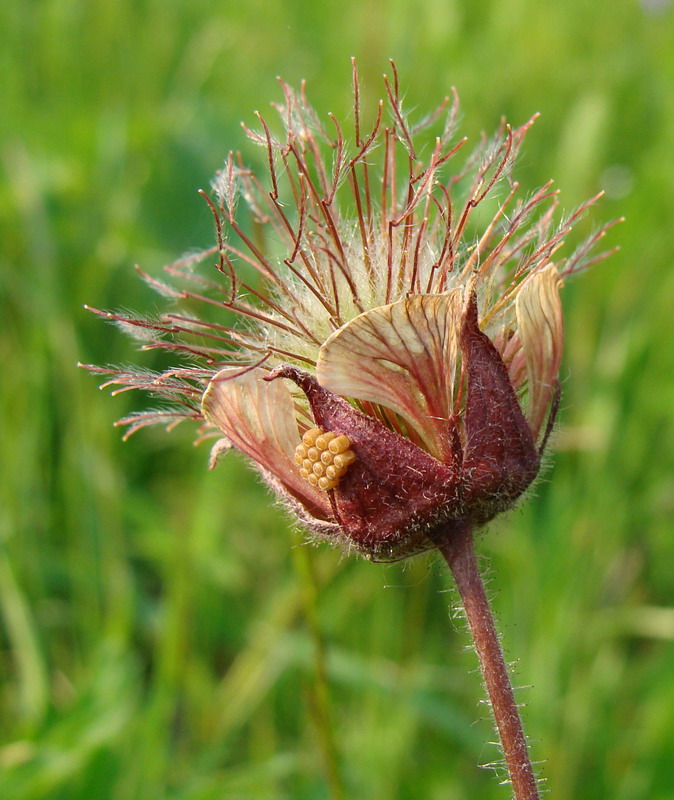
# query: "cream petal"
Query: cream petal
402,356
219,449
258,418
541,330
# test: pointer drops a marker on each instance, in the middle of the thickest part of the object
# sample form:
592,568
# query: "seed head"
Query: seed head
381,334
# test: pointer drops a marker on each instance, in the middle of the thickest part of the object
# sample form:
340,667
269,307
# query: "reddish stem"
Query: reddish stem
460,556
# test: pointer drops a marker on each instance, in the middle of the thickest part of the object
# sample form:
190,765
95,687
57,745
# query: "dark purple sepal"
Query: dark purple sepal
395,495
500,455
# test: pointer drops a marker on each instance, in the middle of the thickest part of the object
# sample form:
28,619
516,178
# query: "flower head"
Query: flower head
382,333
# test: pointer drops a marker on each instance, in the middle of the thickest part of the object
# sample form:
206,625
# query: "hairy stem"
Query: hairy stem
460,556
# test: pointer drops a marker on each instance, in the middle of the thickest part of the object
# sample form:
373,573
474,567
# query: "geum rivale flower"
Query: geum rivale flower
395,373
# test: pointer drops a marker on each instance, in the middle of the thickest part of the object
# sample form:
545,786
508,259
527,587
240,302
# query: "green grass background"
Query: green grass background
154,637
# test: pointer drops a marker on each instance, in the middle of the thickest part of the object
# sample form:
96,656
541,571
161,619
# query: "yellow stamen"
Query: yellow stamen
323,458
343,460
324,440
340,444
310,436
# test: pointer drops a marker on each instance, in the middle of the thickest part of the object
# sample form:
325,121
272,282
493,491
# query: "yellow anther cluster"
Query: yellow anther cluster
323,457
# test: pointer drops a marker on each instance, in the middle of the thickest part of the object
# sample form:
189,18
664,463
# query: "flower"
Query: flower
394,371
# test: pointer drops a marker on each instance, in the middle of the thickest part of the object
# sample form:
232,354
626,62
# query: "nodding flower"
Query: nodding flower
381,333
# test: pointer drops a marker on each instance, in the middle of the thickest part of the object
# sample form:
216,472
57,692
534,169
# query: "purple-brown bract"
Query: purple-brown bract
373,304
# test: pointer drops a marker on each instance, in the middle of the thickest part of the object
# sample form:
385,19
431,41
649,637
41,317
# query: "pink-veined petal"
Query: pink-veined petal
402,356
541,329
258,418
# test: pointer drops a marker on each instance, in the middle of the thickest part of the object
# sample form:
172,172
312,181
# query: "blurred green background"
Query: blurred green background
156,619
